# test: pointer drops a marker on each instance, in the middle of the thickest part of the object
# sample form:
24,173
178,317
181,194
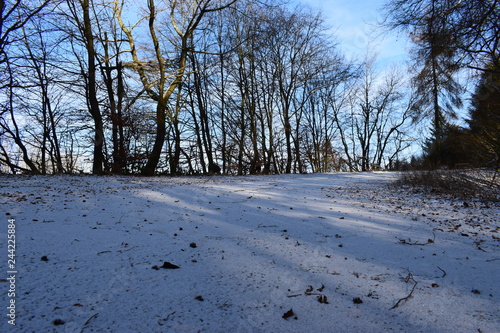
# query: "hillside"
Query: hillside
346,252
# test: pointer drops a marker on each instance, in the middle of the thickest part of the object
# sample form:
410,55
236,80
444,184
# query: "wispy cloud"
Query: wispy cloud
355,24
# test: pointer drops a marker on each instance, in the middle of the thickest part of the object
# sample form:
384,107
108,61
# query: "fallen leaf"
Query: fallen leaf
357,300
322,299
58,322
289,314
169,265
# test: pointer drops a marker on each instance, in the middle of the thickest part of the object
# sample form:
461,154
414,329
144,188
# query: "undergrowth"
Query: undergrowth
480,184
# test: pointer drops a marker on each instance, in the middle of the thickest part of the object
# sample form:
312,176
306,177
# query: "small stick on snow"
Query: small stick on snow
429,241
408,278
490,260
442,270
88,321
125,250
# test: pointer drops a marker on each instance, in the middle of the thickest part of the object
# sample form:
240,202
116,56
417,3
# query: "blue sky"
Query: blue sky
354,24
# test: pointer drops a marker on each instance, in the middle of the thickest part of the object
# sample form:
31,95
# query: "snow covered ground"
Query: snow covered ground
345,252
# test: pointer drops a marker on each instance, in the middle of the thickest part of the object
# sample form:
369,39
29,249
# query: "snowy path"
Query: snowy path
339,249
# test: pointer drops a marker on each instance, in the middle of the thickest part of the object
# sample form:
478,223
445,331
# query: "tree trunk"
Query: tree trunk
154,157
93,103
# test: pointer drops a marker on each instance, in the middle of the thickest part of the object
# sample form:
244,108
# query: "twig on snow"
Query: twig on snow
478,245
407,279
442,270
88,321
267,226
490,260
125,250
408,242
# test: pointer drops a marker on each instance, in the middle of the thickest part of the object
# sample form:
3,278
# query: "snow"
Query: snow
250,249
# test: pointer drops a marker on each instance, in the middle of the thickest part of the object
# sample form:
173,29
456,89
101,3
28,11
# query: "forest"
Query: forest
187,87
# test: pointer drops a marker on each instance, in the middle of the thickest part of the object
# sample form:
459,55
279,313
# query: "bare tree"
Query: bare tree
41,84
14,15
184,17
115,88
326,100
373,127
11,128
82,14
296,43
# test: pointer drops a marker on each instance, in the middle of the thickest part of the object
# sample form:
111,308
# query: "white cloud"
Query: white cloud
355,25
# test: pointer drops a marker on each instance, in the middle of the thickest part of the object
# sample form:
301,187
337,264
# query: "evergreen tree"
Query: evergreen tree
435,61
484,114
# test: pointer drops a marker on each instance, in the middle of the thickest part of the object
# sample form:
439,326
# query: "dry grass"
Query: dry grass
480,184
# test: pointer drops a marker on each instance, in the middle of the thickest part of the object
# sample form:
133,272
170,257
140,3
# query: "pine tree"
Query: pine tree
484,122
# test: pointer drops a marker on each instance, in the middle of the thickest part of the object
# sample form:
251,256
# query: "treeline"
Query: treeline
191,87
